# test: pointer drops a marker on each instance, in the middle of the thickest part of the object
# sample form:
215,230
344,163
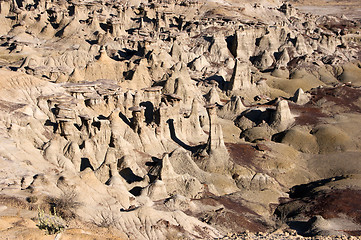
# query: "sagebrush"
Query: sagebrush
51,223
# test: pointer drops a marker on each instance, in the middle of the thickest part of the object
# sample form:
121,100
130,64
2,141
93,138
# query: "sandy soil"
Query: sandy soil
351,9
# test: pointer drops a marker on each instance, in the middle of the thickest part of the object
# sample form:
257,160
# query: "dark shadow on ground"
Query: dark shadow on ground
177,140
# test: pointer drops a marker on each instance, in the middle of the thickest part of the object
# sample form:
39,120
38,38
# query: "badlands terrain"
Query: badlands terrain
180,119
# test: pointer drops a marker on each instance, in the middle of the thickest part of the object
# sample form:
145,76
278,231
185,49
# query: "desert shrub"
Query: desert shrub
51,223
65,204
106,220
32,199
13,202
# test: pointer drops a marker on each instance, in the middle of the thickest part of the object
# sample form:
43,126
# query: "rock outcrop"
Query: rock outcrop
175,119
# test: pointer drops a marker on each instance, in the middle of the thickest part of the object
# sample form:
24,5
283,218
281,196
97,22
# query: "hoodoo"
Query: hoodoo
186,119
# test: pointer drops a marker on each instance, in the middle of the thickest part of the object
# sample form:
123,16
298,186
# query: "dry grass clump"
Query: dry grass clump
65,205
106,220
13,202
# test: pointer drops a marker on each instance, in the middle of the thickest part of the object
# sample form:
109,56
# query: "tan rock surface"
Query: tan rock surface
178,119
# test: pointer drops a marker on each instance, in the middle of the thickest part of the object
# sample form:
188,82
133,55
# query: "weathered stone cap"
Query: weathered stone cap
210,106
92,96
64,118
136,109
79,84
65,106
85,117
152,89
173,96
80,90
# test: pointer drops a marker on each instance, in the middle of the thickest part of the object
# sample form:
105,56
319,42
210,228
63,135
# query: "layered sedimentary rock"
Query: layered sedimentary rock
174,119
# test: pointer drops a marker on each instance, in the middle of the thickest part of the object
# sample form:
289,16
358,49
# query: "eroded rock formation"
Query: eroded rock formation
179,118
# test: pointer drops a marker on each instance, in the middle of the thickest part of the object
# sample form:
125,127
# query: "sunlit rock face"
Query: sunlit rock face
178,119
